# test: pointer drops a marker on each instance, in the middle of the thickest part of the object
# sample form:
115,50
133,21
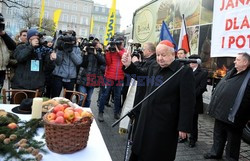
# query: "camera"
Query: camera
88,44
113,43
2,24
137,50
66,40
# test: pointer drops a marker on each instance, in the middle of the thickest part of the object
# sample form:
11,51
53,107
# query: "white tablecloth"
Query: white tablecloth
96,149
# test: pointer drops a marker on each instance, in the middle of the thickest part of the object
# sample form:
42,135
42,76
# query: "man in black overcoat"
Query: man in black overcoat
149,57
168,112
229,106
200,76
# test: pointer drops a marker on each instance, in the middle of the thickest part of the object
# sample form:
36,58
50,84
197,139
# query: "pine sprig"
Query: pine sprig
26,130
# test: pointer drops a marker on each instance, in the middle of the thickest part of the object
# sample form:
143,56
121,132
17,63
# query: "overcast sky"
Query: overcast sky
126,8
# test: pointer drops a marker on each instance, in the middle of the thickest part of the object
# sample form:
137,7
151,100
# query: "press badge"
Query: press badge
34,67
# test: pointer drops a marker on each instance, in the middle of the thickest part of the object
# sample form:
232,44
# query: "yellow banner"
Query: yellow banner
92,25
110,27
57,14
41,14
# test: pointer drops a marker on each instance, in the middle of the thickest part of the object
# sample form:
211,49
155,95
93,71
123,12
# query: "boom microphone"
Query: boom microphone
187,61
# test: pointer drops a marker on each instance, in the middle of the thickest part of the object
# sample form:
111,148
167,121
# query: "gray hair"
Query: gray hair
151,46
246,56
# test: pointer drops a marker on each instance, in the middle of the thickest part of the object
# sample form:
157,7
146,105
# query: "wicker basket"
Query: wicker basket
66,138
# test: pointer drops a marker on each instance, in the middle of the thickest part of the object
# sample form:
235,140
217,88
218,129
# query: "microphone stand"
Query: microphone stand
130,113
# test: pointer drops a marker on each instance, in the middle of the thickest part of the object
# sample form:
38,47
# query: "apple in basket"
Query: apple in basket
59,120
60,113
51,116
69,114
58,107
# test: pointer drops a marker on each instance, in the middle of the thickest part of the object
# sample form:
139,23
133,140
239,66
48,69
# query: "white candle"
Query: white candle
36,108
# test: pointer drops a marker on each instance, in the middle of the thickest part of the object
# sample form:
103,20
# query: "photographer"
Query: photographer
6,44
93,59
67,58
31,58
114,76
149,57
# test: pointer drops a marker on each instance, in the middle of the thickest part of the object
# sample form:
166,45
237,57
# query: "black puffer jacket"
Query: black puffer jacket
89,70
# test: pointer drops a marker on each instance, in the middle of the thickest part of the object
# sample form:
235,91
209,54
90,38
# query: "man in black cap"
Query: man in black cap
6,45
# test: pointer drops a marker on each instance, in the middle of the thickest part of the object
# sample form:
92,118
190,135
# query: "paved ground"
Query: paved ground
116,142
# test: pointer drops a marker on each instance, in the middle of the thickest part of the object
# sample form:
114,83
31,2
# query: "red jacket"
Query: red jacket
114,65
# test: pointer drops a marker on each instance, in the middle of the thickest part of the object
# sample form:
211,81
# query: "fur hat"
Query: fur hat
32,32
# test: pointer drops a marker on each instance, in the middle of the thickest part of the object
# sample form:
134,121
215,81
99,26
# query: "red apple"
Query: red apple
79,110
86,114
68,108
69,114
12,125
58,107
51,116
59,120
65,105
60,113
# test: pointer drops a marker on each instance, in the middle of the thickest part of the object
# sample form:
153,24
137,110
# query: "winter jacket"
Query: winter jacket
224,96
66,63
24,78
114,65
6,44
88,73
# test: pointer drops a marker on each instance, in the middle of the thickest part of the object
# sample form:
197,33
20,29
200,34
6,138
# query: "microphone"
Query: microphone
187,61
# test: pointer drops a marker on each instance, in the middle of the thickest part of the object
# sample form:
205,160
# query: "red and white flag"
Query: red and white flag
183,39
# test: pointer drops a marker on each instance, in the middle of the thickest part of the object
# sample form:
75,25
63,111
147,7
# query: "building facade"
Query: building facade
76,15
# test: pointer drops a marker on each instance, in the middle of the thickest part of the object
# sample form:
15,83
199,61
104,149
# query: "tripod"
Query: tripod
130,113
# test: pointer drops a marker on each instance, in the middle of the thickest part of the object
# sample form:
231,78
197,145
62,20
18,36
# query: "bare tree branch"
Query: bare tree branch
14,4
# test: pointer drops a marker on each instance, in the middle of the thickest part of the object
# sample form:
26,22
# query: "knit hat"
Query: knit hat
167,43
32,32
48,38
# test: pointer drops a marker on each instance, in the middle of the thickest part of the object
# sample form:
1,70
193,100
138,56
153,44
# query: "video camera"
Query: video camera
2,24
66,40
88,44
137,50
113,43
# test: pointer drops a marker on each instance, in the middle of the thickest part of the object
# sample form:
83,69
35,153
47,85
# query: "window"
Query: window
103,9
84,32
66,6
57,4
73,19
46,3
96,9
85,9
65,17
85,21
9,11
74,7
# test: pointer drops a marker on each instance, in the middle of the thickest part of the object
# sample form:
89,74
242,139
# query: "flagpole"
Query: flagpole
187,33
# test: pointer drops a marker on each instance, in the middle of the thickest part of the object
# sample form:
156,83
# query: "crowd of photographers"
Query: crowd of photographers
51,63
